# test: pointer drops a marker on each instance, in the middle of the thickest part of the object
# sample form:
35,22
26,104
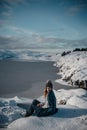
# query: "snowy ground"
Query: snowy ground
71,116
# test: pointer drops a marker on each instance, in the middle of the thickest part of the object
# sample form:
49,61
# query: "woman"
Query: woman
38,108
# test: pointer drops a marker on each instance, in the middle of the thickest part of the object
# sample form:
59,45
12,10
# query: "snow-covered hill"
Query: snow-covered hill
73,68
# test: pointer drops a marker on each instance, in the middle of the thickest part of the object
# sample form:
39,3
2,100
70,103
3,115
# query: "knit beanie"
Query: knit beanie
49,84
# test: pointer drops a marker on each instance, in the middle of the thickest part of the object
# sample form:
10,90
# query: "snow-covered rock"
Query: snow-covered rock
9,111
73,67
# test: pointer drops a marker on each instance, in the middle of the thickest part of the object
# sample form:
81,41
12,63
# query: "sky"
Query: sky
43,24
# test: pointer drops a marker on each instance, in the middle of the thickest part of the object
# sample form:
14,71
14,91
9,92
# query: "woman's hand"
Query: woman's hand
40,104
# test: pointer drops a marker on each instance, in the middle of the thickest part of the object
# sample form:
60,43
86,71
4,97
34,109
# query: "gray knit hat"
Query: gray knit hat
49,84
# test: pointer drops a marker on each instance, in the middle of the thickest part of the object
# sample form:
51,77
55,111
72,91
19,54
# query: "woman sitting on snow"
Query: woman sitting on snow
38,108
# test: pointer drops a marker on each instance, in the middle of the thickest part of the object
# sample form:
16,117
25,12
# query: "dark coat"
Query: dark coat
52,106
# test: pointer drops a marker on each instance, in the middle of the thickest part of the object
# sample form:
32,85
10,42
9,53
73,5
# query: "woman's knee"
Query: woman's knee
35,102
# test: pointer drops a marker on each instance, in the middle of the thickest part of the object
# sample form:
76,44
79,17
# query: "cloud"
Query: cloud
12,1
23,38
38,41
77,7
7,14
73,10
17,42
4,40
7,42
7,6
2,23
61,42
21,30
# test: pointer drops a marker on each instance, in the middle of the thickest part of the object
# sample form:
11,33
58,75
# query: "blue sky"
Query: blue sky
38,24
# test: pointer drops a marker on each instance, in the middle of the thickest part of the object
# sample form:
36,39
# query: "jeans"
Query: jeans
33,107
40,111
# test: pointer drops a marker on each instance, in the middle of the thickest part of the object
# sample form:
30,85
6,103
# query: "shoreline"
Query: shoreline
27,79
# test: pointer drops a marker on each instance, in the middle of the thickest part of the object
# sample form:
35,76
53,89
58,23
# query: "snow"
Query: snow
73,66
26,55
74,112
72,115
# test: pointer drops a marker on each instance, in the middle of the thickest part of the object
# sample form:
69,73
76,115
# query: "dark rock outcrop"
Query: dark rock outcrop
78,49
65,53
81,84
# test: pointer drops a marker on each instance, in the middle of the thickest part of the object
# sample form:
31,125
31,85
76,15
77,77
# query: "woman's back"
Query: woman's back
51,99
